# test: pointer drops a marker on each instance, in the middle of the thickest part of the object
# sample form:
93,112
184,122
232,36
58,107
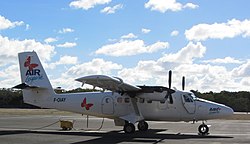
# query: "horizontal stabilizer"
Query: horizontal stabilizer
25,86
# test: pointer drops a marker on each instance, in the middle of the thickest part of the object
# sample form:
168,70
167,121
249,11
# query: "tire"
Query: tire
142,126
129,128
203,129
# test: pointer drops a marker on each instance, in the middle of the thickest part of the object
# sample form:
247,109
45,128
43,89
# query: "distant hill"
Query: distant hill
239,101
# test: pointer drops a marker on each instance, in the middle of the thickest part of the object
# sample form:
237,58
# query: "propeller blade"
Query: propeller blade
171,99
169,79
169,91
183,83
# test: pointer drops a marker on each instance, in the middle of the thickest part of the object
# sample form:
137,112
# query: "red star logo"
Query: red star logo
28,64
84,104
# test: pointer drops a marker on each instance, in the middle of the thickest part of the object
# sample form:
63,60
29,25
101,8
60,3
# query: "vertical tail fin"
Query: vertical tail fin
36,86
32,72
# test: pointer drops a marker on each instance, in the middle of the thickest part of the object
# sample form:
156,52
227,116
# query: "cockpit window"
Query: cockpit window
193,96
188,98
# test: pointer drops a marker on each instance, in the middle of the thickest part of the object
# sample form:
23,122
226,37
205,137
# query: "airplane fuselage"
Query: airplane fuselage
114,105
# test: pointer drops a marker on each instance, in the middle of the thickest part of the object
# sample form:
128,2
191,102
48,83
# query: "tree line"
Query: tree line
239,101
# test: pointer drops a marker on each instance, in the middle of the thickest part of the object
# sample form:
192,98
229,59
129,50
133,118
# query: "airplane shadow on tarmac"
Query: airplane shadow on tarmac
114,137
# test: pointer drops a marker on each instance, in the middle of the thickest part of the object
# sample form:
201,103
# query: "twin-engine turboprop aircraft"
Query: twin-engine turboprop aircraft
124,103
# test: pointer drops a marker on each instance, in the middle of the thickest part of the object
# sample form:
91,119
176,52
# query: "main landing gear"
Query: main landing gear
143,126
130,128
203,129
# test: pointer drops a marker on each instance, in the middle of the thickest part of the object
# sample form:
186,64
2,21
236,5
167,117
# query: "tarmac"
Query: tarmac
41,129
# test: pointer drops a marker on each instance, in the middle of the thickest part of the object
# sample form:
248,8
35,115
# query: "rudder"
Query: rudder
36,86
31,70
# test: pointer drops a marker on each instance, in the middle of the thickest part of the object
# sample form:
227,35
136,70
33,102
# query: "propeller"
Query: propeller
183,83
169,79
170,91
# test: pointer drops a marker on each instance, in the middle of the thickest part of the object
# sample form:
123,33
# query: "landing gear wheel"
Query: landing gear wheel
142,126
129,128
203,129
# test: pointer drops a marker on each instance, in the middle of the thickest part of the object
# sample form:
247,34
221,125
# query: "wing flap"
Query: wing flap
107,82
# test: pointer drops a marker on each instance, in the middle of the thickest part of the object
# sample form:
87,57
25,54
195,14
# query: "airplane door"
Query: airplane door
188,103
107,105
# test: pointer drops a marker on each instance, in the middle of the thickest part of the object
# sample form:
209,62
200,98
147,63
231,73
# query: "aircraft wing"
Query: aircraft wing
109,83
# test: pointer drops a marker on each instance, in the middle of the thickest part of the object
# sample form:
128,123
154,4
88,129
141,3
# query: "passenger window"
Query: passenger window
162,102
136,100
127,100
141,100
119,100
107,100
149,101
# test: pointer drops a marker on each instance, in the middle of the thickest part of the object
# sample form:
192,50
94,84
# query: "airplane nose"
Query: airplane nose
227,111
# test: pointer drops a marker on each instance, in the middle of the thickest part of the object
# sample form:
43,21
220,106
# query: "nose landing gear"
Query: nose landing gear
203,129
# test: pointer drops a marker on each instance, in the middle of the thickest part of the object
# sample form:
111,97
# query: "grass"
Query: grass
7,111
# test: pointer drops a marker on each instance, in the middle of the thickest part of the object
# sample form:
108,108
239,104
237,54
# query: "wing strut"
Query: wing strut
135,106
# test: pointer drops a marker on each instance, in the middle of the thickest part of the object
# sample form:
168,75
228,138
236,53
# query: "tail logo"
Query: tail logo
29,65
32,72
85,105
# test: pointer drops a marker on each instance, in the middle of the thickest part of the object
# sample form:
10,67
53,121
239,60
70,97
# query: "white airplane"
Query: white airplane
124,103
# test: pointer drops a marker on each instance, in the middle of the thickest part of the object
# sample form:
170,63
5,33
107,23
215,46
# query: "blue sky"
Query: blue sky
138,41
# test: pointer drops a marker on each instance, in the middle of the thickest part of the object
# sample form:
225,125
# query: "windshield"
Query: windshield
192,95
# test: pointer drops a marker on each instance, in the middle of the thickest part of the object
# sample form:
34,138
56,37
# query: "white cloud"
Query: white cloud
185,55
167,5
174,33
112,40
111,10
87,4
129,36
198,76
226,60
50,40
10,76
10,71
245,81
144,71
67,60
190,5
93,67
67,83
66,30
206,77
96,66
27,27
6,24
9,49
67,45
155,71
130,47
145,31
64,60
230,29
242,71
